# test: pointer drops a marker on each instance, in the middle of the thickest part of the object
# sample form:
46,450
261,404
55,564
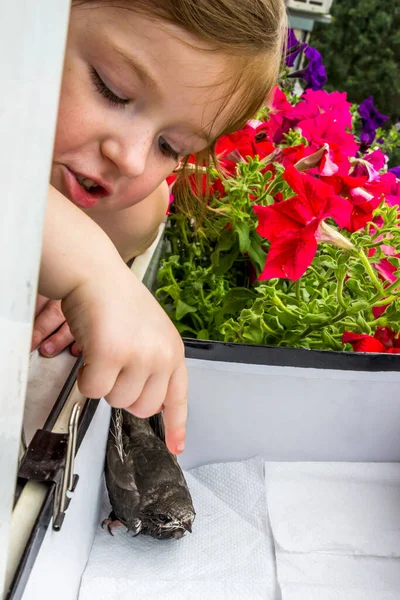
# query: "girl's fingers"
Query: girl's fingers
97,379
175,410
127,388
41,301
57,342
76,350
152,397
47,321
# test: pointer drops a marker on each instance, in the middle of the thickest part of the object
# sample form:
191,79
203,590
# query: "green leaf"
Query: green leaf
225,262
253,335
226,242
329,342
183,309
243,232
171,290
316,319
355,286
257,254
236,299
203,334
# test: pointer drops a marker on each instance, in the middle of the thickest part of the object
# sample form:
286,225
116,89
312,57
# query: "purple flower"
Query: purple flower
395,171
293,49
371,119
314,74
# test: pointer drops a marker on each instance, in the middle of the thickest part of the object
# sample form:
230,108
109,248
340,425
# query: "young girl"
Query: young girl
145,83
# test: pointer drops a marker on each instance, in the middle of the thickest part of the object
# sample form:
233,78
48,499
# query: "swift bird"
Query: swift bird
146,487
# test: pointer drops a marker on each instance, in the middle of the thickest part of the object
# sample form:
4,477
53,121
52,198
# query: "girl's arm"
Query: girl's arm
133,355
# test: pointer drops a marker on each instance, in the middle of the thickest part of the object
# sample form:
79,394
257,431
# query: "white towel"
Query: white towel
229,555
336,529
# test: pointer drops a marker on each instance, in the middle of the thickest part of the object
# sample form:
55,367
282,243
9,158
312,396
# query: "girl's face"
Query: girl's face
135,98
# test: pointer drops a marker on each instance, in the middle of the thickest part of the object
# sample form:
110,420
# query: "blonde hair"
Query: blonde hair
251,32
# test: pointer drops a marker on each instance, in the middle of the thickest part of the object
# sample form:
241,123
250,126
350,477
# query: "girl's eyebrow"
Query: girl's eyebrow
140,69
149,81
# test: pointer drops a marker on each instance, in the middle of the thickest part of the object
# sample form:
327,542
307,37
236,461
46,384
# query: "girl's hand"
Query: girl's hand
50,329
133,355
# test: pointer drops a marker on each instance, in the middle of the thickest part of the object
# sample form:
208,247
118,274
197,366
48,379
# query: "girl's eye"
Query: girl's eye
166,149
105,91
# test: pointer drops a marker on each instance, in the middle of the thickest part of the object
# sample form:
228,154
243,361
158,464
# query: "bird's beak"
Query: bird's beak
187,527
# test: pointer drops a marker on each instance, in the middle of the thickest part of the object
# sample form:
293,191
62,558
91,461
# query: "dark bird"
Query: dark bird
146,487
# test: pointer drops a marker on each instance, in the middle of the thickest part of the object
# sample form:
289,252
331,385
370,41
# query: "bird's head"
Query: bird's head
168,514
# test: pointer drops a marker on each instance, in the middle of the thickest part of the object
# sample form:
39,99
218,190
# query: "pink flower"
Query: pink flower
391,188
386,269
281,118
369,165
313,103
326,128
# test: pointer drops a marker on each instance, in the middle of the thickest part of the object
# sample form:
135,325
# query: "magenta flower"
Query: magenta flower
313,103
369,165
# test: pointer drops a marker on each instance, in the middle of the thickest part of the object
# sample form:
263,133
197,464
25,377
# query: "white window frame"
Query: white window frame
32,43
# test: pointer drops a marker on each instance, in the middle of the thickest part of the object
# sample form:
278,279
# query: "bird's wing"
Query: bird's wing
157,425
119,471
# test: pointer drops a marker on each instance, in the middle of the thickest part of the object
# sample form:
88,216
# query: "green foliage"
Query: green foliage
361,50
205,281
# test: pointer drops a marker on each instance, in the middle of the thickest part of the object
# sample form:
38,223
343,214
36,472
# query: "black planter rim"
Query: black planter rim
290,357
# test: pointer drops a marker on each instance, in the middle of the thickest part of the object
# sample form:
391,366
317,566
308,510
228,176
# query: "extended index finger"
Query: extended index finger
175,410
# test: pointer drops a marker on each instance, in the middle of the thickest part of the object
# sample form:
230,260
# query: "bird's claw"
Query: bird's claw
111,524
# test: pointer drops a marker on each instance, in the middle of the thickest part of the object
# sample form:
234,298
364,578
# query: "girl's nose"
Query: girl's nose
129,150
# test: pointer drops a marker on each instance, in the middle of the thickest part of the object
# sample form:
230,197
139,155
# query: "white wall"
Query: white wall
32,40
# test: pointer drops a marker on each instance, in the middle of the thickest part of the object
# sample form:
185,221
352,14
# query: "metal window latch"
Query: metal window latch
68,481
49,458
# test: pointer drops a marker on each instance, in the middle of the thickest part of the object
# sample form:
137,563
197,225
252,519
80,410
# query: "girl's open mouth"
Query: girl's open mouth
81,190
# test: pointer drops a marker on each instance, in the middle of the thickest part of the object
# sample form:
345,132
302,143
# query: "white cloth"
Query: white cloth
307,531
336,529
229,555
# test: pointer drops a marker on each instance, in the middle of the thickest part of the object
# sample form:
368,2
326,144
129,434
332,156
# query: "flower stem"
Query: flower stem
371,272
285,309
340,298
267,328
298,289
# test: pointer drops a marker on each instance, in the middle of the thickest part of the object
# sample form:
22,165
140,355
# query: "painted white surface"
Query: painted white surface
32,39
237,411
45,381
63,555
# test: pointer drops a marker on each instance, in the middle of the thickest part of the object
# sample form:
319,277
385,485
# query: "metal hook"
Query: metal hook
68,480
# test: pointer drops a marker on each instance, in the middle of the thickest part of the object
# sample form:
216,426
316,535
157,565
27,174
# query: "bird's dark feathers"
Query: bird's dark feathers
145,483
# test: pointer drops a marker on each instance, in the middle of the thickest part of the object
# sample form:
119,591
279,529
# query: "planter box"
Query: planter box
291,404
279,403
288,404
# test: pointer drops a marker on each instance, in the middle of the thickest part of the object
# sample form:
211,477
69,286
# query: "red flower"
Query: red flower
384,340
289,257
365,196
250,141
292,226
